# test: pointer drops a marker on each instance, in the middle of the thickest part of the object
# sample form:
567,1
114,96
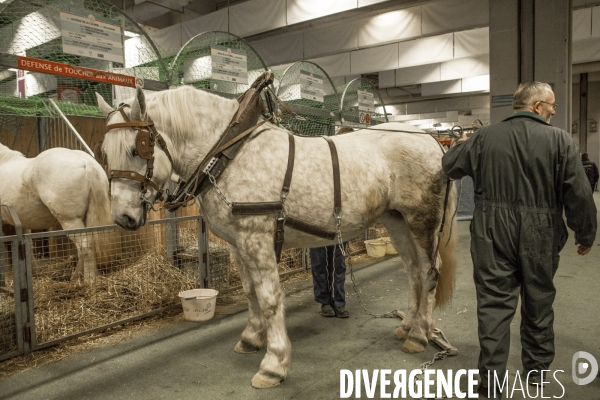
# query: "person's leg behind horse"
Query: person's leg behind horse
339,279
322,271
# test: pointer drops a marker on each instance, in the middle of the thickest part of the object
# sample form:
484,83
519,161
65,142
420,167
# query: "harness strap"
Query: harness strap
129,124
133,176
267,207
287,180
290,167
230,143
245,120
310,228
337,193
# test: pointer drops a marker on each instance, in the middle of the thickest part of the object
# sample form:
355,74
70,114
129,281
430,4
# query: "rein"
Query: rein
145,140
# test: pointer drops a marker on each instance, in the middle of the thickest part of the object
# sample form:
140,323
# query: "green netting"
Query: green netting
355,114
36,29
197,64
16,106
309,92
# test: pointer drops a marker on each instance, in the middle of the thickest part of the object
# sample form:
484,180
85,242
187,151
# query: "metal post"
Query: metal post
22,293
41,134
305,258
203,261
72,128
583,112
172,232
2,273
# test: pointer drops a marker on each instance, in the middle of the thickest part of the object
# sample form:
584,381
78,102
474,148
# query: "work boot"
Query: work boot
341,312
486,392
327,311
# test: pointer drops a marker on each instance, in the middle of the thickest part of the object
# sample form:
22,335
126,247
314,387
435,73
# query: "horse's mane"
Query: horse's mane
177,110
8,154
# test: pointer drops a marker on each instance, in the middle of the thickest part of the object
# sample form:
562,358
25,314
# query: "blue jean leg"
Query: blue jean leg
328,265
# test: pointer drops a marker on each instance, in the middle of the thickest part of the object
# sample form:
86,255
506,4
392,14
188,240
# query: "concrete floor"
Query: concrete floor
196,360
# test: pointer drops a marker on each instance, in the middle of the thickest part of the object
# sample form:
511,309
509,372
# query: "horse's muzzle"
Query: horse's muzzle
131,224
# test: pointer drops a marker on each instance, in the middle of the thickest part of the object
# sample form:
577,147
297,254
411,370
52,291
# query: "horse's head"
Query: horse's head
138,166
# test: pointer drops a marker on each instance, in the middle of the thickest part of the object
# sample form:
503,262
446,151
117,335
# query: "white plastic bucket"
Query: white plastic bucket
375,248
198,304
389,248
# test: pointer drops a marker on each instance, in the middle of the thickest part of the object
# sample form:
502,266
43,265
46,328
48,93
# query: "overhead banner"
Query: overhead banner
89,35
54,68
311,86
229,65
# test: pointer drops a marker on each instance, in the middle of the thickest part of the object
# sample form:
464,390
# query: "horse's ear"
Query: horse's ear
138,108
103,105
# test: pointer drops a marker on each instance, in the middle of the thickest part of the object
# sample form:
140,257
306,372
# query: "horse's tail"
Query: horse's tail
98,212
447,250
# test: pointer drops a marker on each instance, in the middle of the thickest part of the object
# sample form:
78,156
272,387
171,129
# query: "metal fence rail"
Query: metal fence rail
137,274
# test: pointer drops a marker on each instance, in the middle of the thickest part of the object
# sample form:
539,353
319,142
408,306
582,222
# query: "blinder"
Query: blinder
142,143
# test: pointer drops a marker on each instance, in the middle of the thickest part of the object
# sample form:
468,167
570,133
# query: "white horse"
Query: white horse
392,176
60,188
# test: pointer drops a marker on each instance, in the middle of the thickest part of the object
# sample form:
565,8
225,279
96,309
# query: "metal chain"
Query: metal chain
440,355
218,189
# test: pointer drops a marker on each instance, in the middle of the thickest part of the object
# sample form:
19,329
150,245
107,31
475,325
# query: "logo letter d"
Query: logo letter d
583,367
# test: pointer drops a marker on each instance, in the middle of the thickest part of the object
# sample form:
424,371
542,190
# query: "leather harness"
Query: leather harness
212,166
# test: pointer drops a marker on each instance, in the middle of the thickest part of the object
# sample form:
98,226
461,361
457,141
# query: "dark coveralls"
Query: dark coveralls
525,172
329,275
594,178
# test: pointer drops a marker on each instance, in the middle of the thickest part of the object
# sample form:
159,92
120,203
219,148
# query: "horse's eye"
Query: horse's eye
134,152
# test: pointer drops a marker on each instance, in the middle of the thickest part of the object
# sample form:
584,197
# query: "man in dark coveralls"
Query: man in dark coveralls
525,173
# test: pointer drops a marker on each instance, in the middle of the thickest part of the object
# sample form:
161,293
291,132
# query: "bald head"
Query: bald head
535,97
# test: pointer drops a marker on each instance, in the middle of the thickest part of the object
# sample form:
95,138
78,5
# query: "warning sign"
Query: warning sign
54,68
311,86
366,101
228,64
89,35
364,118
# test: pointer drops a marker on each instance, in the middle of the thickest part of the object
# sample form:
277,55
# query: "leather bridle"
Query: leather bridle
145,140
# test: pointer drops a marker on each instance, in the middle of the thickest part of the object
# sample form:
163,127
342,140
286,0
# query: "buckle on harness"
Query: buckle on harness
210,165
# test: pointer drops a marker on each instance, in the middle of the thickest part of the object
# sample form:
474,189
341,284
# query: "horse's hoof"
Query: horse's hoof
245,348
411,345
265,381
400,333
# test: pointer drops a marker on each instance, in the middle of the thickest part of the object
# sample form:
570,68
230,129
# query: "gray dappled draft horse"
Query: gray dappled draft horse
395,177
60,188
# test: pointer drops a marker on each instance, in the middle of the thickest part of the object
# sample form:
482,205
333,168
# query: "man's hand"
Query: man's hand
462,138
582,250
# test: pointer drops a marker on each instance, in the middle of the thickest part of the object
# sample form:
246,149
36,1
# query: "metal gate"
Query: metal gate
140,274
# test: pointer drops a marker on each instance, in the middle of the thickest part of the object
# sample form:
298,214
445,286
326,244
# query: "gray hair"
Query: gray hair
530,92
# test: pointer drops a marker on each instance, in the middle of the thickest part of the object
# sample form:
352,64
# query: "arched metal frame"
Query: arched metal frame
198,50
317,118
45,43
349,104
